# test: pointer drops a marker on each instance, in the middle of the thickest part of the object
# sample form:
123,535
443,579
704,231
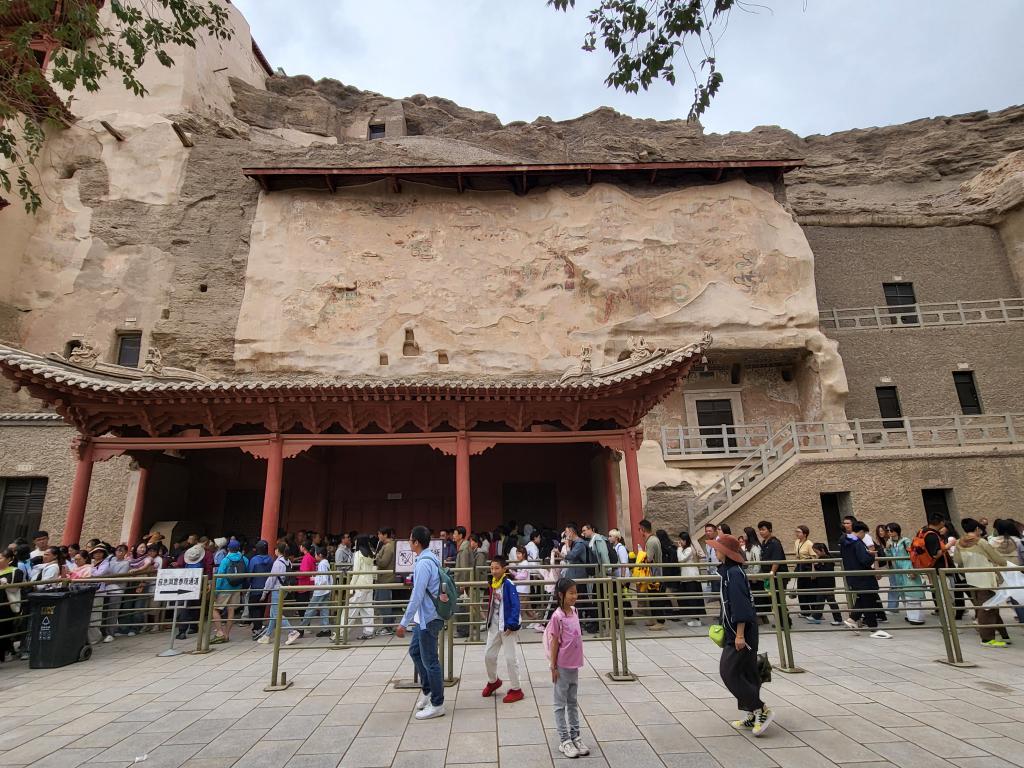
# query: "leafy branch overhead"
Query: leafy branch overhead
644,36
79,48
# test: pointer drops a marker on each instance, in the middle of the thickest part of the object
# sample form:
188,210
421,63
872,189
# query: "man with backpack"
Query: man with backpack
229,590
278,577
423,616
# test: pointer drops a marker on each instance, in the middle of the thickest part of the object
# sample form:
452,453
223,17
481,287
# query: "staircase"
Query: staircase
769,461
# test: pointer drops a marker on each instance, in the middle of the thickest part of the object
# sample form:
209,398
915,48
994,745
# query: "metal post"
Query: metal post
275,683
450,679
171,650
624,674
782,626
947,619
613,638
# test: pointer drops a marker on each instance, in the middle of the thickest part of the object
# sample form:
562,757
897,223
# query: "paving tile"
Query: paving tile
908,755
858,729
348,714
386,723
370,752
613,727
520,731
630,754
670,738
838,747
269,754
1008,749
427,735
232,743
473,720
67,758
429,758
690,760
524,757
471,748
937,742
988,761
209,762
200,732
108,735
329,739
37,748
798,757
313,761
736,752
702,724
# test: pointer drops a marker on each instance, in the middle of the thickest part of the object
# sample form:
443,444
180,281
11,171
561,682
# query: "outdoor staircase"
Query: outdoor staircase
768,462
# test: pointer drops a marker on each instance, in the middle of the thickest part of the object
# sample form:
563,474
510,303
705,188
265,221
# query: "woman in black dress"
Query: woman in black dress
10,602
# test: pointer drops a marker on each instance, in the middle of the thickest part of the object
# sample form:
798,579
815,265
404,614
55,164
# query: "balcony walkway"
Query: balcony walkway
923,315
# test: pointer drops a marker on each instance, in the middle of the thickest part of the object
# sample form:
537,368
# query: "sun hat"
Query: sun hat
194,555
728,546
220,542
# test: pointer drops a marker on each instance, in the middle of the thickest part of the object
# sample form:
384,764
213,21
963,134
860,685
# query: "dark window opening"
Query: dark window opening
442,358
410,348
21,506
129,347
735,373
377,130
712,415
71,346
936,501
383,359
967,392
897,297
834,507
889,407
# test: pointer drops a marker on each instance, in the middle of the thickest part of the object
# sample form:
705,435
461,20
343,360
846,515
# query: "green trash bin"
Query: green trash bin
60,627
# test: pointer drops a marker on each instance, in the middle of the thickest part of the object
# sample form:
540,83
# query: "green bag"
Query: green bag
717,634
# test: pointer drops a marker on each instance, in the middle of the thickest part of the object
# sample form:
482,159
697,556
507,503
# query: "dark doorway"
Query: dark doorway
21,507
834,507
536,503
936,501
243,512
899,297
967,392
713,414
889,407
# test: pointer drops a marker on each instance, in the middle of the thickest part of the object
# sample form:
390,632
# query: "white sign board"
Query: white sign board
178,584
405,557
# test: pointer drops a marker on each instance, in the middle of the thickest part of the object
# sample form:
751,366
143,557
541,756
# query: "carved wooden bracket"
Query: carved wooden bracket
476,447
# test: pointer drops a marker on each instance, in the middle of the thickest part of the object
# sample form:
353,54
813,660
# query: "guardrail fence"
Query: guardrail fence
922,315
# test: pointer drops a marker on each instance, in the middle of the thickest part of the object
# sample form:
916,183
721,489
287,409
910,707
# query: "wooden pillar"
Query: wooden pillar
611,491
79,496
272,494
636,503
462,492
135,527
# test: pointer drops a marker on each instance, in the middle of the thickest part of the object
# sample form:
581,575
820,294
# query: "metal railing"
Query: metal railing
906,433
720,440
923,315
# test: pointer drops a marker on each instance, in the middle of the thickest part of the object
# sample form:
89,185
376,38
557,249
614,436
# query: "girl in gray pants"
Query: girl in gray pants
564,642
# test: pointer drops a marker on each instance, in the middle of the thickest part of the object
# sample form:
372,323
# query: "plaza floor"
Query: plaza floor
863,702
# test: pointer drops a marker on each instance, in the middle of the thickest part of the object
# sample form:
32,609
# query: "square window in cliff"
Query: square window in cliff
21,506
377,131
129,347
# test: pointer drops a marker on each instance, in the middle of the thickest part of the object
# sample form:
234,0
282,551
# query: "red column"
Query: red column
611,489
636,503
272,494
79,496
462,513
135,528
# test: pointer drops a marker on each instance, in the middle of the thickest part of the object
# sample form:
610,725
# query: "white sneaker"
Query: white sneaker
538,627
292,637
108,639
693,623
881,635
430,712
581,749
851,624
568,748
422,701
263,639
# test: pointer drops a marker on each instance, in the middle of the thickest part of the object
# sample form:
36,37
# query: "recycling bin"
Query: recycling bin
59,630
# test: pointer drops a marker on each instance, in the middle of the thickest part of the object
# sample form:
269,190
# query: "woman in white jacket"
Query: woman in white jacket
360,601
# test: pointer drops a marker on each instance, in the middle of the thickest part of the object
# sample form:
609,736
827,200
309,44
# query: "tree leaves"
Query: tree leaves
87,50
644,37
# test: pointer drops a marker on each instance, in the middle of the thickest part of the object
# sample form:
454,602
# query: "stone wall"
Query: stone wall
882,490
47,450
920,362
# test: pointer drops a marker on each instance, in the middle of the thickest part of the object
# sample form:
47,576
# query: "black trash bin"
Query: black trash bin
60,627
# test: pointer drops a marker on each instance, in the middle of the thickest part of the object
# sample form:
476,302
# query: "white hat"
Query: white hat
220,542
194,555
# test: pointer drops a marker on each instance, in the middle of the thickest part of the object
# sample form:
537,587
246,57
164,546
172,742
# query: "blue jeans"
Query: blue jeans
317,605
423,652
272,621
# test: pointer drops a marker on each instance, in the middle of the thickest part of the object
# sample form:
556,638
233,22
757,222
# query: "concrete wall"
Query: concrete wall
943,263
45,451
883,490
920,362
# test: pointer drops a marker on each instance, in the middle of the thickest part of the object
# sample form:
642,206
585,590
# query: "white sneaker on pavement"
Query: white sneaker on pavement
429,712
263,639
568,748
693,623
292,637
422,701
881,635
108,639
581,749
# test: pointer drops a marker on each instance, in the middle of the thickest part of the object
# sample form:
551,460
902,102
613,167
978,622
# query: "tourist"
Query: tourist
564,640
751,546
773,558
957,582
260,563
1006,541
866,605
272,593
577,555
803,549
903,587
193,558
521,572
100,560
973,551
318,603
41,540
692,605
618,543
220,550
343,555
669,571
502,631
533,547
426,581
304,578
654,588
599,548
83,566
824,586
133,604
384,562
229,591
737,665
448,547
10,601
711,532
360,601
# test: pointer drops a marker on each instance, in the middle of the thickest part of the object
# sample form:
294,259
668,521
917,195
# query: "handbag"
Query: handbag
764,668
717,634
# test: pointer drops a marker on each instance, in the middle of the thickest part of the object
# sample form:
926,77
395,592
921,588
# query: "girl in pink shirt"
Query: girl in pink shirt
564,642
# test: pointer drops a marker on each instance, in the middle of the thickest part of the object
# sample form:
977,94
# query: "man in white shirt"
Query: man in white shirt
42,543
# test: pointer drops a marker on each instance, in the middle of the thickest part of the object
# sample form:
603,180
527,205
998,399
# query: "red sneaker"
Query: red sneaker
490,688
513,696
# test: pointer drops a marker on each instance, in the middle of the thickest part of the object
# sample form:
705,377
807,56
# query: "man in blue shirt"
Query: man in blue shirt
426,625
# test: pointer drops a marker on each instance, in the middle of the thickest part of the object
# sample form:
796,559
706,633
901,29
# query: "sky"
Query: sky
812,66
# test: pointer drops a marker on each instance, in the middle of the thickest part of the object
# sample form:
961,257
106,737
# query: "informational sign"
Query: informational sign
178,584
405,557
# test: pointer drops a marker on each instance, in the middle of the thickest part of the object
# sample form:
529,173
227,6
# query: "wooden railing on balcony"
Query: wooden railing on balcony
923,315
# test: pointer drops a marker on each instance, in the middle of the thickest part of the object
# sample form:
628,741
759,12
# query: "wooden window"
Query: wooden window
967,392
889,407
129,347
897,297
713,414
21,506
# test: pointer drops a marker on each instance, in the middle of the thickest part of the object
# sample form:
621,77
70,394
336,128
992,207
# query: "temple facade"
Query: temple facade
255,303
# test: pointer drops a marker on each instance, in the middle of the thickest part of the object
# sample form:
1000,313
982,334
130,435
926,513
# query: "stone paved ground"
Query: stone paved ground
866,703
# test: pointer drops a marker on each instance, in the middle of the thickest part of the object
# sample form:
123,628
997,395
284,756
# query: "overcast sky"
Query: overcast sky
813,66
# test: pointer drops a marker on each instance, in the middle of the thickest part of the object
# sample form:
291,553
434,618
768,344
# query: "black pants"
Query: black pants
867,606
691,599
739,674
819,601
805,598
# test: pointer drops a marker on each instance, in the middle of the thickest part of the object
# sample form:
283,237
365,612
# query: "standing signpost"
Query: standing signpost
174,585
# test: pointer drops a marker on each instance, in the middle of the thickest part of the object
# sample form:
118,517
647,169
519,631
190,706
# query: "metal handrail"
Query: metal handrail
718,440
924,315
